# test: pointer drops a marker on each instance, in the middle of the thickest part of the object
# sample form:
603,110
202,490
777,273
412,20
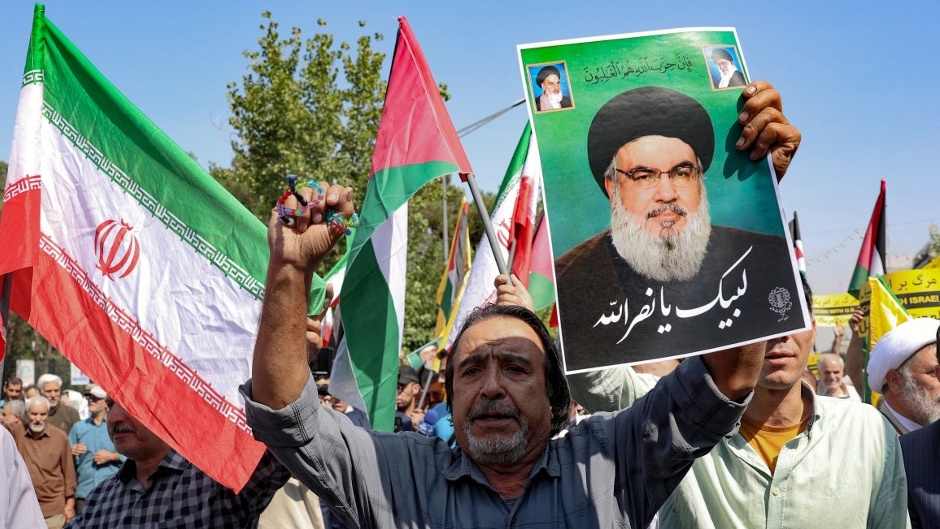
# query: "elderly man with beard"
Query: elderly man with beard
552,98
649,149
508,396
48,457
730,75
902,368
922,462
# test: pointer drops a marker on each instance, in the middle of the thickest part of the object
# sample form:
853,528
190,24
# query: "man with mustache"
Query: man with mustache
157,487
48,457
921,450
649,150
508,396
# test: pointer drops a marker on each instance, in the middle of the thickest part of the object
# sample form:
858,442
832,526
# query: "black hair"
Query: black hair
556,387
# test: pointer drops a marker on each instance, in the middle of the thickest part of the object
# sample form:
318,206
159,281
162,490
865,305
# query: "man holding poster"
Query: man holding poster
662,278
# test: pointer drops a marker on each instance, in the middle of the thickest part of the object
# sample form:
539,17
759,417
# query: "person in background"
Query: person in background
832,383
19,508
45,448
901,368
95,456
922,462
61,415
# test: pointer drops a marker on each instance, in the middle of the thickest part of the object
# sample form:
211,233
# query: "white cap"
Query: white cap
897,346
96,392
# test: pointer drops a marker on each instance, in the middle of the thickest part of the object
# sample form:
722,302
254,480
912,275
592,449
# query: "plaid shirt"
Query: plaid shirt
180,495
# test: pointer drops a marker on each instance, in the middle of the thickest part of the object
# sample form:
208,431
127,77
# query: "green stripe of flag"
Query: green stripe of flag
146,160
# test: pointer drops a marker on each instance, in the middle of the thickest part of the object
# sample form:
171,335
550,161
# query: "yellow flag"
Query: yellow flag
883,312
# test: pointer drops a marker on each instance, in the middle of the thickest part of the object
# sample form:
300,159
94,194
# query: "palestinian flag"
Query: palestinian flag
131,259
797,243
480,290
416,143
871,258
450,291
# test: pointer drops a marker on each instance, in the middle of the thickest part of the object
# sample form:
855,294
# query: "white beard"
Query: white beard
923,409
550,101
726,79
669,256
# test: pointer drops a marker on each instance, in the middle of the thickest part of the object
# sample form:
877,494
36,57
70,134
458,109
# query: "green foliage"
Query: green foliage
311,107
308,107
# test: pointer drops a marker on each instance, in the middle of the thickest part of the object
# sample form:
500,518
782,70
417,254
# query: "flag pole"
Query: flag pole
487,225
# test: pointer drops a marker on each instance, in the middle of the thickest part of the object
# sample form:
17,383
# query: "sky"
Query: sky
856,79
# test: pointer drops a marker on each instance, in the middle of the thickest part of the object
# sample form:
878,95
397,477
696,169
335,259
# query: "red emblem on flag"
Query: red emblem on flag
117,248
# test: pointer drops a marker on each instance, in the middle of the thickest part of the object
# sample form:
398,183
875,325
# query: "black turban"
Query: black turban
648,111
719,54
545,72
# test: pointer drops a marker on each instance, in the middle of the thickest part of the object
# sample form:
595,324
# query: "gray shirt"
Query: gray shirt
612,470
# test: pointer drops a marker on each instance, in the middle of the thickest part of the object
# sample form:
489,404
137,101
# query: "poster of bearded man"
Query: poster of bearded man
667,240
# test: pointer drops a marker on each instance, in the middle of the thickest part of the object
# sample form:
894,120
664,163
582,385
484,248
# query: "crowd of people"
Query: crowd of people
500,436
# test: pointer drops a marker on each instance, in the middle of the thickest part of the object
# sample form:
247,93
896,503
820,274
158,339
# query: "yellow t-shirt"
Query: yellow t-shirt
768,440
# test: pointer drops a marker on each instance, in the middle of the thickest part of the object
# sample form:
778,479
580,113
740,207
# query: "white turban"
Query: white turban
897,346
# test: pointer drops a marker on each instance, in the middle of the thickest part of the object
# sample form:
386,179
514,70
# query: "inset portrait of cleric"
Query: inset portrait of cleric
550,87
723,67
662,281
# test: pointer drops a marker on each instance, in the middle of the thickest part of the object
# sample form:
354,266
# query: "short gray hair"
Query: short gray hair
17,407
826,356
47,378
38,399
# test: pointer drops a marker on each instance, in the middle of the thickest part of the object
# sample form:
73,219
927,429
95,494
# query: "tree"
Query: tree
294,113
311,108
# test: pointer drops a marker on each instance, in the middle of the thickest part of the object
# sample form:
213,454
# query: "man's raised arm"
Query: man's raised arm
279,367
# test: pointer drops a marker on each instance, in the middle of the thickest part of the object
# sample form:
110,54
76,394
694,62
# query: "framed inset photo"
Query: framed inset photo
724,67
551,88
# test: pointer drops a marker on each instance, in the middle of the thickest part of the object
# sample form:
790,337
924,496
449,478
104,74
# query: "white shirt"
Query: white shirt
19,508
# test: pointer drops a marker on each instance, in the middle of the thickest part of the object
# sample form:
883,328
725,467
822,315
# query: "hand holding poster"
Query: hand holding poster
667,240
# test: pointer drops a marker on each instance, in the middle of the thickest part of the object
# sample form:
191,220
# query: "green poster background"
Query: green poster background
741,193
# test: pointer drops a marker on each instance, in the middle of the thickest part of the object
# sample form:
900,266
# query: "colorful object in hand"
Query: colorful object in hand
340,225
286,214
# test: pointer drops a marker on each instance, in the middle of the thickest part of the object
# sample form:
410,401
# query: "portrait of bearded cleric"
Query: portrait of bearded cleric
662,281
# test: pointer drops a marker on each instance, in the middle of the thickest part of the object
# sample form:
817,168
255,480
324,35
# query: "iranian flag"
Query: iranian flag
515,204
131,259
542,270
416,143
871,258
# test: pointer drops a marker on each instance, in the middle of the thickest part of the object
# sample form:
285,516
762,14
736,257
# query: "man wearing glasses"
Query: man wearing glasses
95,457
649,150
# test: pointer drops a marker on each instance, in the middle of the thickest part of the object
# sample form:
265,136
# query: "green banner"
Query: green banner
691,254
